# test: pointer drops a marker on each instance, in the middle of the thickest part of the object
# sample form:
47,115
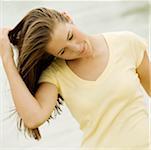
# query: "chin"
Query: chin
74,58
70,58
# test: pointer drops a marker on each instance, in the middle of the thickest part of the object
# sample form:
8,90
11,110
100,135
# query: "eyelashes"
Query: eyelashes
71,37
69,40
62,51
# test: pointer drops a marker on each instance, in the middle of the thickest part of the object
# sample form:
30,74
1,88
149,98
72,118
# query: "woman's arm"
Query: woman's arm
144,73
26,105
33,110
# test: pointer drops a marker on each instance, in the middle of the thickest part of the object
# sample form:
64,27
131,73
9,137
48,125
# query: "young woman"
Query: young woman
100,78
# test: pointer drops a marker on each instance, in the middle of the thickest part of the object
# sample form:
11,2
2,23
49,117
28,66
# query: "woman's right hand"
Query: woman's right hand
6,51
68,16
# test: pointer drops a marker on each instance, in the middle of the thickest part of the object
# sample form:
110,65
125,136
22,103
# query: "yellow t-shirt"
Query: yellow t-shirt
110,110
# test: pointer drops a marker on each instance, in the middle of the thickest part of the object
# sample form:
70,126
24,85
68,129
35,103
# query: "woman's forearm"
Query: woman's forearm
27,106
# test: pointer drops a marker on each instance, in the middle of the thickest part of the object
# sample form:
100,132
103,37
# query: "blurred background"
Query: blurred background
92,17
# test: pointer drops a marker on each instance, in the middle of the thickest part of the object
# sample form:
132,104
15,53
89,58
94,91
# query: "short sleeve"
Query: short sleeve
138,46
49,75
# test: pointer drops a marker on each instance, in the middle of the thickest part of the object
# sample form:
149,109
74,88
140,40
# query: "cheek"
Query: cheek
71,55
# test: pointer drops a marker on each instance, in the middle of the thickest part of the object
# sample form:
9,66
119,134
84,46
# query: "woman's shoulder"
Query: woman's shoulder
124,33
123,36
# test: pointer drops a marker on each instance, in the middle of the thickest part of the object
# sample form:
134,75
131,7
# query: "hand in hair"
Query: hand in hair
68,16
6,51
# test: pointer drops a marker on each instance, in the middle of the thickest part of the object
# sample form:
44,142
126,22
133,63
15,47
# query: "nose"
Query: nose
77,47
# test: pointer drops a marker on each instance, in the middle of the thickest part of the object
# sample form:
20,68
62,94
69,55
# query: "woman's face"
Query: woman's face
69,43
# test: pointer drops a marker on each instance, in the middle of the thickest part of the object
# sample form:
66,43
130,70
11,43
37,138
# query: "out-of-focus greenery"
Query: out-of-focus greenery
141,9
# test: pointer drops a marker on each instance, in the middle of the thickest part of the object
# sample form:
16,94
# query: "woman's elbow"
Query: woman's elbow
34,123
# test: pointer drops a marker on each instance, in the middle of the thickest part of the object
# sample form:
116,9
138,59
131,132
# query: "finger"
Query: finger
64,12
69,18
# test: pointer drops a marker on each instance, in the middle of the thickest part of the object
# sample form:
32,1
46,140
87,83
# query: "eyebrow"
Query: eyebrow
67,38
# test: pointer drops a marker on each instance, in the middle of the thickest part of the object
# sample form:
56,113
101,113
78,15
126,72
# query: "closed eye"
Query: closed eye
71,37
62,51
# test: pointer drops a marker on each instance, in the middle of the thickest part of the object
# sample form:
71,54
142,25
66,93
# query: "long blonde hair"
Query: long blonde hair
31,36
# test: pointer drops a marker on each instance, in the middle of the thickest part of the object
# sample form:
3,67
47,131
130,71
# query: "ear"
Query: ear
67,16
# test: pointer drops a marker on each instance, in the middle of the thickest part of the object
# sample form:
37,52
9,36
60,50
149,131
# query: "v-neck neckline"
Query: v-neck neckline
102,75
